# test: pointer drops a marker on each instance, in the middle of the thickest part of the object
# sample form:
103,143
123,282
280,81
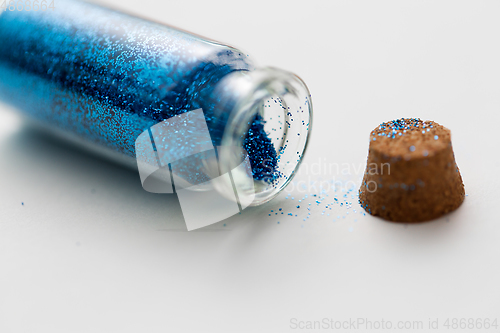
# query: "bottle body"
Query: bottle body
106,77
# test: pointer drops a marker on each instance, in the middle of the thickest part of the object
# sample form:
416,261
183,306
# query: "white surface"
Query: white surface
90,251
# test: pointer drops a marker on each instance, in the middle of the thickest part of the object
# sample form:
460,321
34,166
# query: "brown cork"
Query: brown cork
411,173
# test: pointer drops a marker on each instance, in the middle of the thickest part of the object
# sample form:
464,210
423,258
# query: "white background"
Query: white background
90,251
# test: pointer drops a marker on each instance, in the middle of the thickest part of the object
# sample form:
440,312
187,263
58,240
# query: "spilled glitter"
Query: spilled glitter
336,204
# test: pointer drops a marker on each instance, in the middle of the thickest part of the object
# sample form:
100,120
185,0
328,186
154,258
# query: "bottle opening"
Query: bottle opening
271,120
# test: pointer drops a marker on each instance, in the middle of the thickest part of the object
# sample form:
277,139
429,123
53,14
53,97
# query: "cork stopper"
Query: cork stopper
411,173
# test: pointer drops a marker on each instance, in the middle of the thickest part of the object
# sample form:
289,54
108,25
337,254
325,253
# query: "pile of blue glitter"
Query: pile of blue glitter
261,151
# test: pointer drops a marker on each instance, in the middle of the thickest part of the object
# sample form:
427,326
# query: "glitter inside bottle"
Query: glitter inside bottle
101,78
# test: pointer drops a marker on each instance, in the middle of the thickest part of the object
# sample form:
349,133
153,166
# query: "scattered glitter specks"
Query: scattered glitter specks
321,204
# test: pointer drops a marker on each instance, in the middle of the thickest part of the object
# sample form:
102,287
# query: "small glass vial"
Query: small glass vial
101,78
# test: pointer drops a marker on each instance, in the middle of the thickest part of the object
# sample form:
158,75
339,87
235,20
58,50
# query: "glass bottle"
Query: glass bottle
100,78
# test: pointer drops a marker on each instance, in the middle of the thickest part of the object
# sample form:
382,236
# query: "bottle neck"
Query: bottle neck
267,112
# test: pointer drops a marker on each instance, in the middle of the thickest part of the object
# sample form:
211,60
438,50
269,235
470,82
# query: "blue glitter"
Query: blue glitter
261,150
412,148
436,137
100,82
